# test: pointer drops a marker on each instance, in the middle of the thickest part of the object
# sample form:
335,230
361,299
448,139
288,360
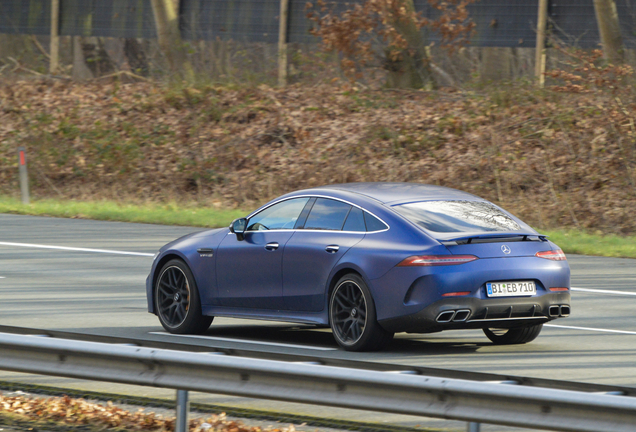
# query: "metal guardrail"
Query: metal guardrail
195,345
481,402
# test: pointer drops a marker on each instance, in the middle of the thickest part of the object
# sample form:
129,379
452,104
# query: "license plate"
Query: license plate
511,289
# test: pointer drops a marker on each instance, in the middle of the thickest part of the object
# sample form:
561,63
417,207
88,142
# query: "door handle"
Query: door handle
271,246
332,248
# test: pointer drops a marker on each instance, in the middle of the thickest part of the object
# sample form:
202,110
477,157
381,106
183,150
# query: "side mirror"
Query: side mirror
238,227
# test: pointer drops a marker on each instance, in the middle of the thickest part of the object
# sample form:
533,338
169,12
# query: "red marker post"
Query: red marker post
24,178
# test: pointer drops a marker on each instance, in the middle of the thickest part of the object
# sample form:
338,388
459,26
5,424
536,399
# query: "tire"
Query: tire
352,316
513,336
177,300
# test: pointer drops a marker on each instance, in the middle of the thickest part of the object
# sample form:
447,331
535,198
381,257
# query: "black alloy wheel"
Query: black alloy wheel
173,296
349,312
177,300
513,336
352,316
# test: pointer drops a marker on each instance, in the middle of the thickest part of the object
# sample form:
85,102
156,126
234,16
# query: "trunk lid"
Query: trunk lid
497,245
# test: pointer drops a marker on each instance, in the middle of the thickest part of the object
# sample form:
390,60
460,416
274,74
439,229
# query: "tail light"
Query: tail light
436,260
555,255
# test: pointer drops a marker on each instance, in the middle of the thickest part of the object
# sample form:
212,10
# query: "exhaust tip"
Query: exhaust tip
461,315
445,317
554,311
565,310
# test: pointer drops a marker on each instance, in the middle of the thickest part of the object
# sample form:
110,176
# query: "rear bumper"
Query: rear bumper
476,313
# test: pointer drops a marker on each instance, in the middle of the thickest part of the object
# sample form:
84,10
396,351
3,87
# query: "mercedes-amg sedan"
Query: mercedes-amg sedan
369,260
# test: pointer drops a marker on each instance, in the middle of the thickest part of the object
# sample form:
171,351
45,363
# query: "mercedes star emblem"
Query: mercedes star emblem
505,249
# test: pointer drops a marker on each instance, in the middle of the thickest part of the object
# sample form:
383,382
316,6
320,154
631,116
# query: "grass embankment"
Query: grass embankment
571,241
558,161
166,214
579,242
562,162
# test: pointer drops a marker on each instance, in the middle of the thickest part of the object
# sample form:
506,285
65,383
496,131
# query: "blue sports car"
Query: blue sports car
368,260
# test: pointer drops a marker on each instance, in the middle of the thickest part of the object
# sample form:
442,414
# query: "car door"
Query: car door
249,272
313,251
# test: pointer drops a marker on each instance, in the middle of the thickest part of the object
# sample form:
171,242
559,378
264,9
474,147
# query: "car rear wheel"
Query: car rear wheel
513,336
177,300
352,316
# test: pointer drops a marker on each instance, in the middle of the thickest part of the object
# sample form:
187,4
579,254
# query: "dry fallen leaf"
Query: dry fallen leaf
68,410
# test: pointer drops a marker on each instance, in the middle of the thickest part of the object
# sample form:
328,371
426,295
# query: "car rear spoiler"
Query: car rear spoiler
467,238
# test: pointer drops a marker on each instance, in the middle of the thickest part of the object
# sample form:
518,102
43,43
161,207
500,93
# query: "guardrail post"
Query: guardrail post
183,408
473,427
24,179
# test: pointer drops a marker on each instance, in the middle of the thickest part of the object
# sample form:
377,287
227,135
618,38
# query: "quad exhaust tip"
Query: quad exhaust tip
445,317
461,315
453,316
559,311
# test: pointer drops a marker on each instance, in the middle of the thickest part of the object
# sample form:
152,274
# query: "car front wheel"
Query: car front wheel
513,336
352,316
177,300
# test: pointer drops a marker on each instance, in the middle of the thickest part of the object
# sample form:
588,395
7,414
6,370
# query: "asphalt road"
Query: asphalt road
74,289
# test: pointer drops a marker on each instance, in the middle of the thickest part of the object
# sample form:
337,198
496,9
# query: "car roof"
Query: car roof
394,193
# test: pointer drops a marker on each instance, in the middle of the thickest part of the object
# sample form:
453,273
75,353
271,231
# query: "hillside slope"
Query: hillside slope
553,159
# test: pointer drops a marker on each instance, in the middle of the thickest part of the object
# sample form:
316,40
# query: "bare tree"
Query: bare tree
391,30
136,57
90,58
609,28
166,13
412,69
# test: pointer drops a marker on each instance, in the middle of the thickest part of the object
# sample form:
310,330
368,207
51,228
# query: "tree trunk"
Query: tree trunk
90,59
166,13
136,57
413,69
81,72
496,64
609,29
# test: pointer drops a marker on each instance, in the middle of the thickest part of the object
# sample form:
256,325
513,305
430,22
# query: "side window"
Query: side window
373,223
327,214
355,221
279,216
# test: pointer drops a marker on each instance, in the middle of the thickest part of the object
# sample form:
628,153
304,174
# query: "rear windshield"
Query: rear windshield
457,216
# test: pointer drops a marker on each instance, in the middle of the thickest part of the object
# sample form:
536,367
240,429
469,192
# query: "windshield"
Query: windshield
457,216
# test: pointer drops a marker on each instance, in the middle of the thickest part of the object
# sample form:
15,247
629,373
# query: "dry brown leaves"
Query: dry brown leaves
556,160
69,411
386,29
454,24
587,71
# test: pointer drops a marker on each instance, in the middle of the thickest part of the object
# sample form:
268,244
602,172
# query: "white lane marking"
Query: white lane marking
2,277
247,341
604,291
39,246
590,329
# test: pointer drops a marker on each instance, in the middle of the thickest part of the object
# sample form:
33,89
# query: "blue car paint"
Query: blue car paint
295,287
247,274
392,193
416,287
493,250
307,266
185,248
